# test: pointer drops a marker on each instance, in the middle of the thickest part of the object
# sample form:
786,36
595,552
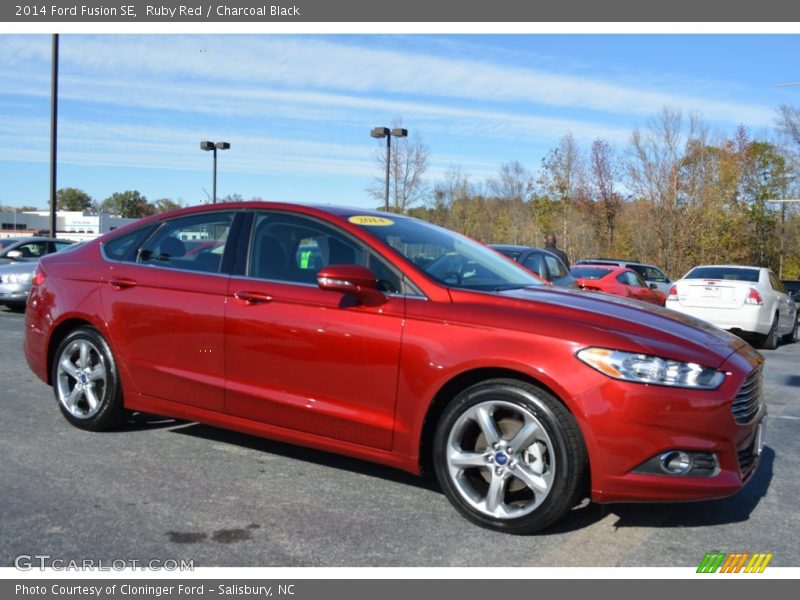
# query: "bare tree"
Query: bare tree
604,202
788,122
514,182
408,163
655,169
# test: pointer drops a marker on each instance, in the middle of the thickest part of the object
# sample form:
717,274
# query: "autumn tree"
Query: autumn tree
765,177
562,181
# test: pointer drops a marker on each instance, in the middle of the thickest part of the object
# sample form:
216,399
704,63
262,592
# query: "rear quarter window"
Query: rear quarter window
124,247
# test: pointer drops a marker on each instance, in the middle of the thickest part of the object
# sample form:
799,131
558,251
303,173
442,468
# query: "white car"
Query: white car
744,300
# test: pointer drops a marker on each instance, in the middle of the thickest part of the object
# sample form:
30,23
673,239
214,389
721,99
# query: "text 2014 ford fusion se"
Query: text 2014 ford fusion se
392,340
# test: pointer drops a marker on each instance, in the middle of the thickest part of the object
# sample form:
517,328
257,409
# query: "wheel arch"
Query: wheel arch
458,384
61,331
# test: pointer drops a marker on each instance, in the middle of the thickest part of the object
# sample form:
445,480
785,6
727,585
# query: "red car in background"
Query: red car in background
392,340
618,281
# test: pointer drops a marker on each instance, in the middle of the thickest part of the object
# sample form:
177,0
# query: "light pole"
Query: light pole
783,204
214,146
53,135
381,132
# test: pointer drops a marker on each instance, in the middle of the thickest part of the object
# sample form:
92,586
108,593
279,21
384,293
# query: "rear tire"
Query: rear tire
509,456
86,381
770,341
791,337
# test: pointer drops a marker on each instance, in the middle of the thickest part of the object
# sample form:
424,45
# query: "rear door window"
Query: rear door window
194,243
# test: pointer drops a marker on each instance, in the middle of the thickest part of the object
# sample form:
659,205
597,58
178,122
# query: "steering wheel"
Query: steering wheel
452,275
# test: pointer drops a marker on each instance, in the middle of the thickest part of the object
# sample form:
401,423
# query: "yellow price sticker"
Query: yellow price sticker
370,221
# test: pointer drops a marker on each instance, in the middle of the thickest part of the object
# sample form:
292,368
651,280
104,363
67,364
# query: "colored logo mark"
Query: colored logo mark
736,562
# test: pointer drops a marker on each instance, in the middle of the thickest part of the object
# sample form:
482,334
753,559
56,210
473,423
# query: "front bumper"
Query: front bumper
748,318
14,293
629,424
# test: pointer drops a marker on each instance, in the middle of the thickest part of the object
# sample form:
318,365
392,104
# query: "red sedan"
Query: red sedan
392,340
618,281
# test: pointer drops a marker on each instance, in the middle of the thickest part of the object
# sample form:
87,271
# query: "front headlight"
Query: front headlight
641,368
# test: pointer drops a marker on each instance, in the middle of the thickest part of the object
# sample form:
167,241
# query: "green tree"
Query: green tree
130,204
765,178
73,199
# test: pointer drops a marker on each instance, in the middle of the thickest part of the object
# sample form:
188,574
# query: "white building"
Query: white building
70,225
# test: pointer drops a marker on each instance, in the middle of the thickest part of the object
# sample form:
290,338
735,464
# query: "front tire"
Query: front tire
86,381
510,456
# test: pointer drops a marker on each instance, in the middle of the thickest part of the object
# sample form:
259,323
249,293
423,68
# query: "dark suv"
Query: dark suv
544,263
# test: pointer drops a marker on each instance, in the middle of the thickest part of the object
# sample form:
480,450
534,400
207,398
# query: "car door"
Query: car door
307,359
636,286
167,310
535,262
34,250
559,274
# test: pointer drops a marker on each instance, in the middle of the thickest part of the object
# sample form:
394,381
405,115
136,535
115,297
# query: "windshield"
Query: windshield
444,256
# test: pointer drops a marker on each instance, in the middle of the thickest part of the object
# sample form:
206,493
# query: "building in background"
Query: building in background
70,225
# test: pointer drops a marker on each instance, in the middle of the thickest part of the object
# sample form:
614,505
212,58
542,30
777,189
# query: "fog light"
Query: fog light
676,462
680,463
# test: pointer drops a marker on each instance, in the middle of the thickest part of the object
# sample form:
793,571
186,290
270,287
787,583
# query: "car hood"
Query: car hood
588,318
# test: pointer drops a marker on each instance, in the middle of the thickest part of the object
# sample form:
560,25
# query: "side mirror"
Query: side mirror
352,279
653,286
14,255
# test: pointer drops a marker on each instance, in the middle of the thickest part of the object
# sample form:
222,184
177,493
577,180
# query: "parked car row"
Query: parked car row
748,301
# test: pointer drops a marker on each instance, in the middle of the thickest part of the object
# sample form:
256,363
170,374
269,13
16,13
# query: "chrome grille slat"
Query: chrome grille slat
748,400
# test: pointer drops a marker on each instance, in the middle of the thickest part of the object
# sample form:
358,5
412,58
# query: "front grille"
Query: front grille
747,456
748,400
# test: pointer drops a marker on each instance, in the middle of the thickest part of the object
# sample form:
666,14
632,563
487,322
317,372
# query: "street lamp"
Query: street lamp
215,146
381,132
783,204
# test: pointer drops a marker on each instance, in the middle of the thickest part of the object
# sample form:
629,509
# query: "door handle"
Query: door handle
123,283
249,298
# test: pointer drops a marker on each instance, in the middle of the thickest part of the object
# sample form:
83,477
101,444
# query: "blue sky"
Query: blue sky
297,109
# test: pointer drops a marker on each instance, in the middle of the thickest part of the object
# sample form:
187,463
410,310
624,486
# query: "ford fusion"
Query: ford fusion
392,340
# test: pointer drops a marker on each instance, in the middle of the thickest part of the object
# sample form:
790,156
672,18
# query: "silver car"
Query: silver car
16,277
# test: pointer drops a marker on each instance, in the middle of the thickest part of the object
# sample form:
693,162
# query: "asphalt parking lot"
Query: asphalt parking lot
169,490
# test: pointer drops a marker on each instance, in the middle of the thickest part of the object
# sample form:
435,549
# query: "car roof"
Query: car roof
522,249
513,247
39,238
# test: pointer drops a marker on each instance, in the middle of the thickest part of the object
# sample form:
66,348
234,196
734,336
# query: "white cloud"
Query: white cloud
322,64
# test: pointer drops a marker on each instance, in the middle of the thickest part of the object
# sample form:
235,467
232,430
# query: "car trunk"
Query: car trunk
713,293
